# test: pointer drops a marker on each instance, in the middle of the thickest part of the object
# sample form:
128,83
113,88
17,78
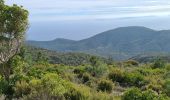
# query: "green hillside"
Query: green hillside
120,43
69,58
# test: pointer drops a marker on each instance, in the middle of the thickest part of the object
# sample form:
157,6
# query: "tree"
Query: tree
1,2
13,25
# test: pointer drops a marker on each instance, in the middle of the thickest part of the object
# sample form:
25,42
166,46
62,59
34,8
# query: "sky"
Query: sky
80,19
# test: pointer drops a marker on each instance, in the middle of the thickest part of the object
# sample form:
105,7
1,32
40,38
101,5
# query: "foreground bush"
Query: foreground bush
137,94
51,86
159,63
126,78
86,77
105,86
149,95
117,75
97,67
134,79
78,92
102,96
167,87
82,92
132,94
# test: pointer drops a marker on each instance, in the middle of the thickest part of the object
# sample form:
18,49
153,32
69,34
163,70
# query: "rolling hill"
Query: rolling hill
66,58
120,43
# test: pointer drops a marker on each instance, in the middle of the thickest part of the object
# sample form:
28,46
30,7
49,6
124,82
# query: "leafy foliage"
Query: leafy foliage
167,86
159,63
105,86
35,74
126,78
13,25
137,94
132,94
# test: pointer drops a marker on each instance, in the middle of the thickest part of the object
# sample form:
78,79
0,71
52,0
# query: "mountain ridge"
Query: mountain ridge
120,43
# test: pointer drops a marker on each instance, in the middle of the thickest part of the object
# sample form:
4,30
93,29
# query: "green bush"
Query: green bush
82,92
126,78
116,75
167,75
149,95
78,71
85,77
132,94
22,88
105,86
77,92
137,94
132,62
102,96
51,86
6,88
167,87
97,67
134,79
97,71
159,63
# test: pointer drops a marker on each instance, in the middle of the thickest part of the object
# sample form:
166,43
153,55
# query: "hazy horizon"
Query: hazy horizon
78,19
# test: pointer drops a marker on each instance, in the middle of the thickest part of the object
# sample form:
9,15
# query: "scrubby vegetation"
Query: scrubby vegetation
69,58
27,74
33,77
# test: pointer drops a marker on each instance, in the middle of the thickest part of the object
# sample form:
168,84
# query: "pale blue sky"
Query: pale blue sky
79,19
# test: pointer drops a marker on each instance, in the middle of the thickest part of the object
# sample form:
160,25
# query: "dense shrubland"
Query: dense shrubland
30,75
69,58
34,78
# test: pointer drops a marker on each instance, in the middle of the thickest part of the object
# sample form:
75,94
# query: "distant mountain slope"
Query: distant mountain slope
120,43
149,58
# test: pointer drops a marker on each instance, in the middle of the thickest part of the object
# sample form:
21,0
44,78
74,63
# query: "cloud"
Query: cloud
93,9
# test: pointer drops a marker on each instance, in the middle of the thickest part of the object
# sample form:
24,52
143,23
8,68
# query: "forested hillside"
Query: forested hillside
69,58
120,43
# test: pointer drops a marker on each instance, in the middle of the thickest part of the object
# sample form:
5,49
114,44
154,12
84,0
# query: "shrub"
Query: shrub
50,86
78,71
97,67
22,88
158,64
167,75
77,92
127,79
102,96
132,94
117,75
149,95
132,62
6,88
85,77
134,79
97,71
137,94
105,86
81,92
167,87
154,86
